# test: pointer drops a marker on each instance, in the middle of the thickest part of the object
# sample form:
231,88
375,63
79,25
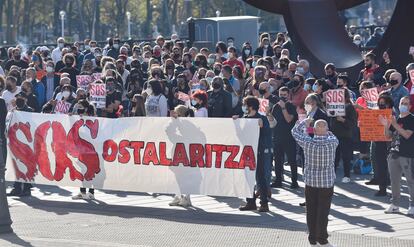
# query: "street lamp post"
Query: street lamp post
218,13
5,221
62,19
128,14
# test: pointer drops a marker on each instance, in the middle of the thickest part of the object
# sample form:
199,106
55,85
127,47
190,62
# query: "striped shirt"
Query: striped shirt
319,153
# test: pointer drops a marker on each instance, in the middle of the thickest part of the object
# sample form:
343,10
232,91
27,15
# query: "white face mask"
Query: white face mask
209,80
247,52
266,46
230,44
211,61
116,46
87,47
65,94
308,108
271,89
49,69
357,42
61,45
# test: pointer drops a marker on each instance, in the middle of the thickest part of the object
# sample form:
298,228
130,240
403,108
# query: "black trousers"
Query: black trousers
281,147
381,164
345,151
21,187
318,205
83,190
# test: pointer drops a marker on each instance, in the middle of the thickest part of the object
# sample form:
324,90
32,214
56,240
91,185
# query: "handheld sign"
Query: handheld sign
62,107
335,102
371,96
83,81
264,104
370,127
411,72
97,94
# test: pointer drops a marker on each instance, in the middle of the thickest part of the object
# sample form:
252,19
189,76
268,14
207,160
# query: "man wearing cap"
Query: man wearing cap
21,189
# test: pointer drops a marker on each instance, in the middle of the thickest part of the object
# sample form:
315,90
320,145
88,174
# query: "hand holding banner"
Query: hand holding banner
371,97
62,107
264,104
83,81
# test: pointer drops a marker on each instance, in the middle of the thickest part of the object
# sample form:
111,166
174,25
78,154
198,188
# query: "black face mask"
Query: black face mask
17,57
340,86
278,77
20,103
169,67
216,85
368,66
217,72
393,82
262,91
286,80
69,64
8,87
382,106
197,63
278,54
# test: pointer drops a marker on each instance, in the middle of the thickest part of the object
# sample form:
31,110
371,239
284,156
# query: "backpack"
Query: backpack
362,167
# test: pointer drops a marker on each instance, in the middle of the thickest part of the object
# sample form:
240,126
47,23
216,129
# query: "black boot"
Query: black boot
250,206
381,192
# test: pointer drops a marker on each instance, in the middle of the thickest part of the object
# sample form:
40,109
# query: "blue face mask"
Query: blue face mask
315,87
193,102
307,87
245,110
403,109
300,70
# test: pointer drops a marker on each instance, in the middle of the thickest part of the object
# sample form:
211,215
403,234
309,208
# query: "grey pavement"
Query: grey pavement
52,218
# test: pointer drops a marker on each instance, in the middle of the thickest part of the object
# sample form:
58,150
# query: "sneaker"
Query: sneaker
248,207
175,201
80,196
14,192
294,185
185,201
264,208
410,211
326,245
90,196
372,182
392,209
346,180
381,193
276,185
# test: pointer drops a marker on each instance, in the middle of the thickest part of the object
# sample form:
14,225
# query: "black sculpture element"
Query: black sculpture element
320,36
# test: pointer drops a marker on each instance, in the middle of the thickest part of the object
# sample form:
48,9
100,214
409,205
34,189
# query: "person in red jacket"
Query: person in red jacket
232,60
409,84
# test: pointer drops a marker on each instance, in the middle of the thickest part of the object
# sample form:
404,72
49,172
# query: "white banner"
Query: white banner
97,95
163,155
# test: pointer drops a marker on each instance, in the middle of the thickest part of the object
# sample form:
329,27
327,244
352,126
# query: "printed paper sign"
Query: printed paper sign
264,104
83,81
335,102
62,107
412,81
97,95
161,155
370,127
371,97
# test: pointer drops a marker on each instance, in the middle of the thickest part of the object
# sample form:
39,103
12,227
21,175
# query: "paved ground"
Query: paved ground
51,218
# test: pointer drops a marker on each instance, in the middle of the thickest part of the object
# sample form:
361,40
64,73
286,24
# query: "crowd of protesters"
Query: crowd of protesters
152,79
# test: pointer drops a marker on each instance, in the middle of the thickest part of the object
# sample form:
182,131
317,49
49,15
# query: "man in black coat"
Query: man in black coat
219,100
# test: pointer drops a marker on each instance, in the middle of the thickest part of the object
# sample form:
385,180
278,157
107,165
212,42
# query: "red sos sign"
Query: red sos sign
335,96
97,89
370,94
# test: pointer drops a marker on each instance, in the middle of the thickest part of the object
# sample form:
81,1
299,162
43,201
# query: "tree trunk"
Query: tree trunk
147,26
9,21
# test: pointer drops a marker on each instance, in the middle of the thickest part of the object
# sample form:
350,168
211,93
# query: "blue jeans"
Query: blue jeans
263,175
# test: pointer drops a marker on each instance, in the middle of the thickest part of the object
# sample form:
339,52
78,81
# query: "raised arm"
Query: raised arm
298,132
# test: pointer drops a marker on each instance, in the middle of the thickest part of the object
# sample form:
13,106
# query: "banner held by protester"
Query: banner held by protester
335,102
163,155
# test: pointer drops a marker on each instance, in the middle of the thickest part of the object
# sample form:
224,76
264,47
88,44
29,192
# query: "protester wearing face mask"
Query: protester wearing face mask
227,73
285,116
97,60
69,68
50,80
11,91
265,93
401,156
297,93
246,52
409,83
57,52
277,51
16,60
113,99
303,69
113,50
21,189
264,157
83,108
358,41
380,151
66,94
31,99
397,90
221,51
264,49
343,81
233,60
219,100
90,53
199,102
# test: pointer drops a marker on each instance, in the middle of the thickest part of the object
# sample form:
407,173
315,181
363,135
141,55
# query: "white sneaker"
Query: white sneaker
346,180
185,201
392,209
80,196
175,201
90,196
326,245
410,211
